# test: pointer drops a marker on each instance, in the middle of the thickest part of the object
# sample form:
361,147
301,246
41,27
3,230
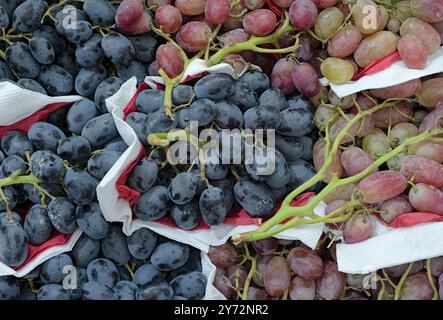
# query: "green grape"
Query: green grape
322,116
337,71
401,132
328,22
376,143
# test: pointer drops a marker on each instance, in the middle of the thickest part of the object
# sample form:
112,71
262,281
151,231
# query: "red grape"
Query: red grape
131,17
256,294
194,36
223,256
437,266
233,36
426,198
344,42
319,159
302,14
168,18
191,7
235,21
427,10
277,277
424,31
305,79
157,3
440,284
375,46
422,170
217,11
169,59
334,205
333,283
394,207
391,116
403,90
302,289
307,47
265,247
260,22
236,61
381,186
237,276
325,3
305,263
153,69
281,76
355,160
429,149
416,287
358,229
223,284
412,51
397,271
432,120
340,193
338,126
254,4
262,265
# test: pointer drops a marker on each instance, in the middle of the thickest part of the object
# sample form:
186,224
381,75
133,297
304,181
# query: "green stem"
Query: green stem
403,278
435,296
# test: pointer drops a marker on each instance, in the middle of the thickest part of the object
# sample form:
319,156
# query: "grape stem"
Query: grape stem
299,214
251,273
435,295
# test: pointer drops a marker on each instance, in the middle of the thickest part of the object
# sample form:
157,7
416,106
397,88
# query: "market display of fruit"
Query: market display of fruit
371,158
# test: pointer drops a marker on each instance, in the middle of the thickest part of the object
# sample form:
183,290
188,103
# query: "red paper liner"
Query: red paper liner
378,65
411,219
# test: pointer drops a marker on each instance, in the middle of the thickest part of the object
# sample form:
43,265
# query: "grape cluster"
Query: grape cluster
143,266
49,175
199,188
274,269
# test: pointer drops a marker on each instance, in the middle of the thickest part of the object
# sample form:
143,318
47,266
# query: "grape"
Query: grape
237,276
97,291
391,116
305,79
202,111
13,244
170,256
143,176
80,186
332,285
106,89
254,198
262,117
377,45
16,143
401,132
118,48
114,246
324,3
182,94
368,16
302,14
257,81
125,290
422,170
158,121
355,160
213,206
323,116
131,18
28,14
5,71
186,216
328,22
91,221
337,71
48,32
45,136
146,274
183,188
259,22
135,68
217,11
32,85
281,77
291,147
215,86
427,10
9,288
437,266
53,292
12,195
38,225
274,97
116,144
333,206
103,271
222,284
149,101
66,62
100,12
191,7
100,130
61,212
228,115
79,32
412,51
277,277
302,289
262,264
426,198
191,286
429,149
305,263
145,46
430,93
382,186
301,172
79,114
52,270
234,36
12,164
88,79
46,166
153,204
394,207
223,256
376,143
340,193
168,18
141,243
358,229
4,18
345,42
75,149
21,61
42,50
100,163
158,290
35,196
254,4
194,36
336,166
416,287
170,60
424,31
266,246
244,96
236,19
85,250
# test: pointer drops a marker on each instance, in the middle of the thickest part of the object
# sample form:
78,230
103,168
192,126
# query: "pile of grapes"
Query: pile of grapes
200,187
143,266
376,154
273,269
